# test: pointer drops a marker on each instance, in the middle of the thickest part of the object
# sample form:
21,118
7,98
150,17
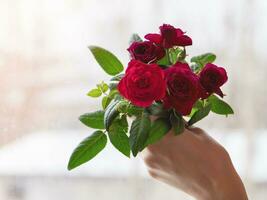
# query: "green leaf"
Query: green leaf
139,132
87,149
113,86
94,92
164,61
111,113
134,110
118,135
220,107
204,58
177,123
109,62
93,120
201,60
176,54
157,110
198,105
196,67
102,87
117,77
158,129
135,38
200,114
106,101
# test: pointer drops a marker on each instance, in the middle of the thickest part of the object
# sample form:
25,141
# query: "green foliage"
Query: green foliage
177,123
113,86
164,61
133,110
220,107
135,38
200,114
198,105
176,54
107,99
108,61
94,92
93,119
118,135
157,110
158,129
87,149
111,113
117,77
201,60
105,102
139,133
103,87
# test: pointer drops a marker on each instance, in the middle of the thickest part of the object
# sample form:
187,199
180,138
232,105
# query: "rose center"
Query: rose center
142,82
213,78
140,50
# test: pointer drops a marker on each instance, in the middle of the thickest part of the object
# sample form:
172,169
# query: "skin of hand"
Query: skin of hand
196,164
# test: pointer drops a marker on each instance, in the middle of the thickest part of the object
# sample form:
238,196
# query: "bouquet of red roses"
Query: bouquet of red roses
159,81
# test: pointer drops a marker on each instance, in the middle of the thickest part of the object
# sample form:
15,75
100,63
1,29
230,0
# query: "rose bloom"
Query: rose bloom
169,37
142,83
183,88
212,78
146,51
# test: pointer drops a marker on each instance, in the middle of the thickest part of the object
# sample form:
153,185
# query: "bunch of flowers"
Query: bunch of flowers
159,81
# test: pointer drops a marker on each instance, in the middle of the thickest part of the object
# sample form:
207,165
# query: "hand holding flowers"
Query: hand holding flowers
158,81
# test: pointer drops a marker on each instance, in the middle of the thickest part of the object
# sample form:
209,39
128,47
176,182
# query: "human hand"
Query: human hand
195,163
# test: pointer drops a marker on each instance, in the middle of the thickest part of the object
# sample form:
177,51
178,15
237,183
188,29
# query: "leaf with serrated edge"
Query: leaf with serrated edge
200,114
219,106
108,61
118,135
111,113
87,149
158,129
177,123
93,119
139,133
94,93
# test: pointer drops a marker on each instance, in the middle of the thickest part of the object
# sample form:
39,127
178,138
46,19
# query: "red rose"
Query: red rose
142,83
183,88
169,37
146,52
212,78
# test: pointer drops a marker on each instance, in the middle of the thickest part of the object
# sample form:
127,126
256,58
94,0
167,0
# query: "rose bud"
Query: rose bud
146,52
212,78
183,88
169,37
142,83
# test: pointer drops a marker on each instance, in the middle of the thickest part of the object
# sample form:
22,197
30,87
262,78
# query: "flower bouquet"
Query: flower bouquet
159,81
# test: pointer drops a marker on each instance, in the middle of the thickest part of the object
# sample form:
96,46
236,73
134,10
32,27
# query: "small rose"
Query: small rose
212,78
169,37
183,88
146,51
142,83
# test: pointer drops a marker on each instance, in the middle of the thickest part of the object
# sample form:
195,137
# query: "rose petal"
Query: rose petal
154,37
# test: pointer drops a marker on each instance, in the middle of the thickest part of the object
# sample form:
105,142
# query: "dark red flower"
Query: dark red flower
169,37
142,83
146,52
212,78
183,88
